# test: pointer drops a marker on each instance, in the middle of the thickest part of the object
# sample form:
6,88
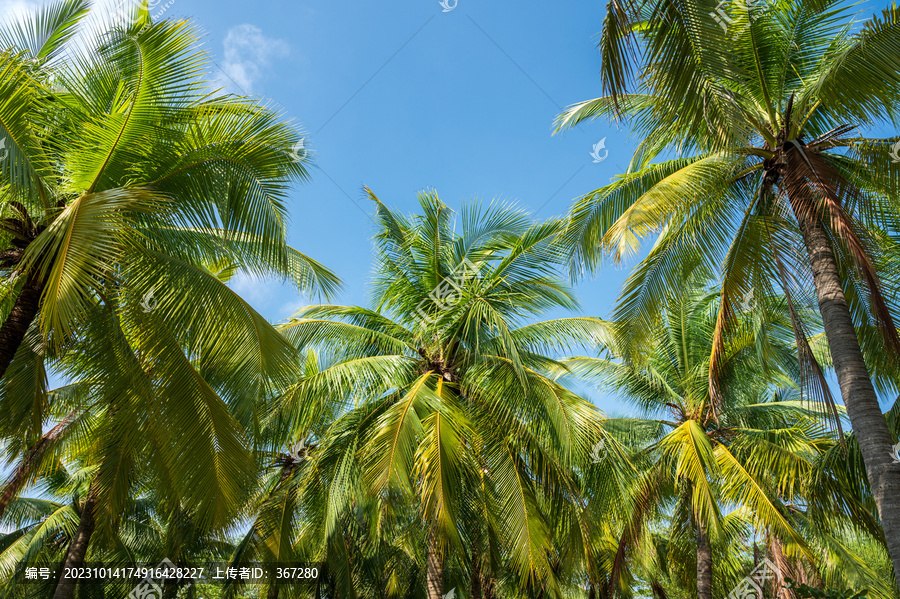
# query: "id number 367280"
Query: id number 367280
296,573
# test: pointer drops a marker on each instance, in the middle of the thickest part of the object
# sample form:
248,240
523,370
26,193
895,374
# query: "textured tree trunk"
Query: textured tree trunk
704,564
20,318
865,414
782,569
286,470
78,547
477,582
759,593
434,575
32,459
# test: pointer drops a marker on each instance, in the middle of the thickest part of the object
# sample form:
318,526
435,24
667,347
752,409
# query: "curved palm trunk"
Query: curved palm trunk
859,396
434,574
32,459
704,563
20,318
65,589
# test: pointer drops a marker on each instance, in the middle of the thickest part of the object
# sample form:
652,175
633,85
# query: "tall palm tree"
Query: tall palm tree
710,478
452,407
760,117
128,192
119,165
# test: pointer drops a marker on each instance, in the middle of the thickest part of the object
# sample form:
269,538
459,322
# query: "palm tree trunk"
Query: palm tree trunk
287,470
759,593
78,547
32,460
704,563
477,582
434,575
865,414
20,318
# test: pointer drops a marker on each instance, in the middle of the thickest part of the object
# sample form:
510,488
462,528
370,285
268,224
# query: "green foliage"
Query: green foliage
804,591
441,423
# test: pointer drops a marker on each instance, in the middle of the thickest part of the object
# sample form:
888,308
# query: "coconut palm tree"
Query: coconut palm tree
452,409
710,477
144,419
129,194
120,168
761,120
148,532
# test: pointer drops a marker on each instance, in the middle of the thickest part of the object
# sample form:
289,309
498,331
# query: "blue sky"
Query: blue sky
401,96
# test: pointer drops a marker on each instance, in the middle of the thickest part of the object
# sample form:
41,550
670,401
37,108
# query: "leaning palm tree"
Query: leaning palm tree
452,411
711,478
120,168
765,164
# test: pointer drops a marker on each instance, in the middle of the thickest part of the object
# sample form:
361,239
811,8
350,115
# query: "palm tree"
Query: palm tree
119,166
149,531
144,419
450,409
130,194
711,478
760,118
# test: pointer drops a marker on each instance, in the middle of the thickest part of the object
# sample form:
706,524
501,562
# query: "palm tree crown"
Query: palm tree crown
454,406
765,164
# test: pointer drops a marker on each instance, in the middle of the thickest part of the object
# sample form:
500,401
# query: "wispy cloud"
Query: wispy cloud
251,288
13,9
248,52
276,299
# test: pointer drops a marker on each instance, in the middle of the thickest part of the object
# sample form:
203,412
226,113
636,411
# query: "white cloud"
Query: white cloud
251,288
248,52
13,9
